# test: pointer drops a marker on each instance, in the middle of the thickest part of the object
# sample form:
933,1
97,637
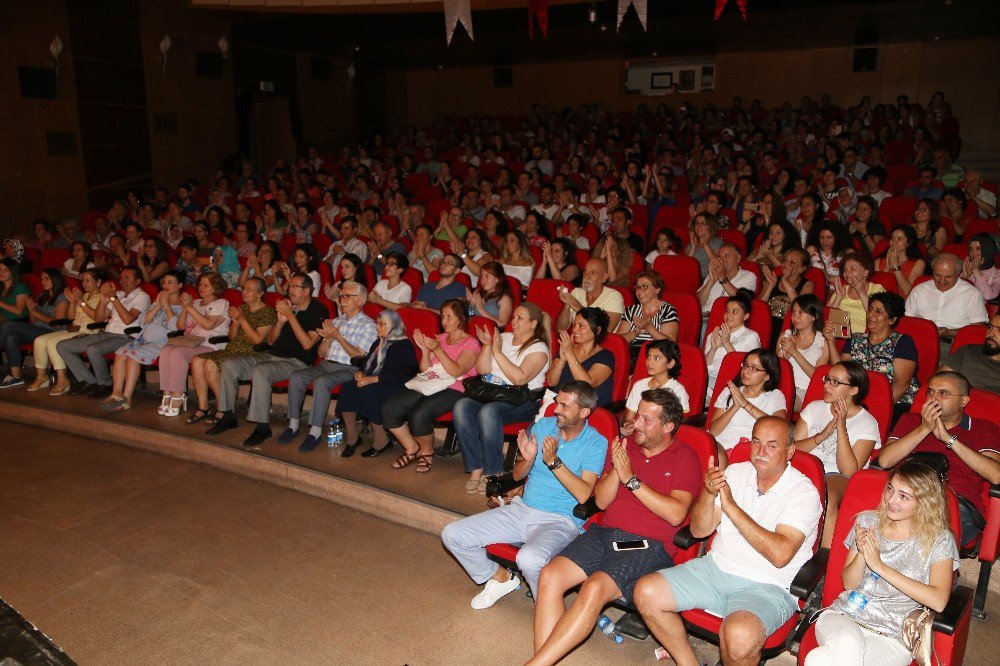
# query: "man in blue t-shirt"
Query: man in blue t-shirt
432,295
562,458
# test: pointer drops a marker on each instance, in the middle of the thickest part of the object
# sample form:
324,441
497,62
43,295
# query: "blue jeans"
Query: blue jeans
15,333
479,428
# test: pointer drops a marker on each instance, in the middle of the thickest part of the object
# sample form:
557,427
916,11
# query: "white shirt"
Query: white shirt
510,351
792,501
817,415
523,274
401,293
811,354
635,395
137,300
610,300
547,211
743,339
959,306
741,425
743,280
986,197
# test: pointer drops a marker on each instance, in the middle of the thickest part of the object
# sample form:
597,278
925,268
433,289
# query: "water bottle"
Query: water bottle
857,599
334,434
607,627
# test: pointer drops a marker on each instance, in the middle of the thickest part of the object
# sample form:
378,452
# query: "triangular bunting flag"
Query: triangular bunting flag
455,12
641,9
538,10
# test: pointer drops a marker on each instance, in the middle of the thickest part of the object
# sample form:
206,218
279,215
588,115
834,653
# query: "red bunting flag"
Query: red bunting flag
538,10
720,5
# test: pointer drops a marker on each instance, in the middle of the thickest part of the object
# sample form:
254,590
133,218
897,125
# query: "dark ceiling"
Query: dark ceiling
676,27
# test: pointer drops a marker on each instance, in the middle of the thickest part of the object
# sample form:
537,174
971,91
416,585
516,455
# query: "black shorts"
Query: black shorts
592,551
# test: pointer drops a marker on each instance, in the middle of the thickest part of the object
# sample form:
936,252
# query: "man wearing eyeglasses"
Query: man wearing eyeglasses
292,347
980,363
432,295
347,336
970,445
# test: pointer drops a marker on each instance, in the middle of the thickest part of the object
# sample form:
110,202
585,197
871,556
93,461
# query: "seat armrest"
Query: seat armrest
261,348
995,490
811,573
959,605
585,510
501,484
218,339
60,322
175,334
97,326
132,330
616,407
683,539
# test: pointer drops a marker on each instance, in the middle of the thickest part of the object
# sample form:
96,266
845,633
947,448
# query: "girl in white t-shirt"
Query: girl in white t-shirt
840,432
663,364
731,335
751,395
391,292
666,241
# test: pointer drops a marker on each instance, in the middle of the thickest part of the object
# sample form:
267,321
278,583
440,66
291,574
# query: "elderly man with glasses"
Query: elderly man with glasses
349,335
292,347
971,446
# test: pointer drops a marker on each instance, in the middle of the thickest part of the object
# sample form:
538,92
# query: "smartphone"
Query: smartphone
638,544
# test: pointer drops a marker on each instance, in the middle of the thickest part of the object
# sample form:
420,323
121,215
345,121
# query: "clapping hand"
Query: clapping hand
739,399
566,347
716,268
787,345
186,300
484,335
770,279
930,415
284,308
332,292
235,313
420,339
620,460
715,477
550,447
868,548
328,330
107,289
642,321
527,445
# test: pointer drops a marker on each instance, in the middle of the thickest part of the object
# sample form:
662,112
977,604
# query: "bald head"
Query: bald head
595,274
945,270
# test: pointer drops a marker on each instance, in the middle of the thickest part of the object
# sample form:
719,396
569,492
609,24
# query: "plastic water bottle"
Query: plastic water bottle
858,599
607,627
334,434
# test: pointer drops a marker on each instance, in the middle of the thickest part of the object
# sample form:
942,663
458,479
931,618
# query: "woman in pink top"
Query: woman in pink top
409,415
980,267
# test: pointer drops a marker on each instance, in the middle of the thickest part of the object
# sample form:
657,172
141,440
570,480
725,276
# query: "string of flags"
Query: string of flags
460,11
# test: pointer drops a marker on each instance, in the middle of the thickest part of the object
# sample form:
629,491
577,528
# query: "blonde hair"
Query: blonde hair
930,517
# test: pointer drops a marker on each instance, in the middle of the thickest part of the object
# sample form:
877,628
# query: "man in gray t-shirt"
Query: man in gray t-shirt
979,363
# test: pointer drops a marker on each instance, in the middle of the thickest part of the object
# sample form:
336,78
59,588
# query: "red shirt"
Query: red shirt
979,435
675,468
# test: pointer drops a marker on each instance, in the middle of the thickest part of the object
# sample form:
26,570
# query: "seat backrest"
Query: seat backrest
925,337
973,334
879,401
618,347
897,210
671,216
34,284
601,419
544,293
887,280
234,296
428,321
52,257
730,367
688,313
681,272
760,318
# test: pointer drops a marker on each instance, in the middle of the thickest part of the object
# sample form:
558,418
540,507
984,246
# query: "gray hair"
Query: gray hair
362,290
585,394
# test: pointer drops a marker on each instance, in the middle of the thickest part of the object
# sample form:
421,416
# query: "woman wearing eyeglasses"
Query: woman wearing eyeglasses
752,394
840,432
650,318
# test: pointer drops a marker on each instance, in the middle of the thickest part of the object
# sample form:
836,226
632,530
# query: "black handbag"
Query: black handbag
485,392
936,461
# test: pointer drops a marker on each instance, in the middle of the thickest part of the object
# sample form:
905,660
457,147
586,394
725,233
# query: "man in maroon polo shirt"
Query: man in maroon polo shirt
972,446
648,486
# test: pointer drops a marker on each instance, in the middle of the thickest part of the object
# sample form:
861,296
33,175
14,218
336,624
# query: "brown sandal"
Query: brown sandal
425,464
405,460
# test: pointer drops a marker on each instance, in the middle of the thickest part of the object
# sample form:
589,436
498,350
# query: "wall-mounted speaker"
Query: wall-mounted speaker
320,67
503,77
208,64
865,60
38,82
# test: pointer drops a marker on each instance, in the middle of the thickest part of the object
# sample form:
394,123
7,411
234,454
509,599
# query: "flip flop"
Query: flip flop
112,405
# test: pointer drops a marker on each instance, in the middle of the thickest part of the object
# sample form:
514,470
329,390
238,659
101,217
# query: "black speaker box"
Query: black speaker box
209,65
37,82
865,59
503,77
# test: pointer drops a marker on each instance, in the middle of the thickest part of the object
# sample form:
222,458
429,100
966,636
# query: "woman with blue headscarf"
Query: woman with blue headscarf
387,366
227,264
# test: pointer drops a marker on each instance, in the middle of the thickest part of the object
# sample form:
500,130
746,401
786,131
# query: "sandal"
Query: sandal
405,460
198,416
212,418
425,464
125,405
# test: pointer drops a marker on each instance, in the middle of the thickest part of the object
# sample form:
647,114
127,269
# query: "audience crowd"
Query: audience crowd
519,277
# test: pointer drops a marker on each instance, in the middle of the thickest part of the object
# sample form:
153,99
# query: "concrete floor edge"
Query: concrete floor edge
378,502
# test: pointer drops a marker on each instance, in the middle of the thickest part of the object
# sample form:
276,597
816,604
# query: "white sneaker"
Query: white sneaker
494,591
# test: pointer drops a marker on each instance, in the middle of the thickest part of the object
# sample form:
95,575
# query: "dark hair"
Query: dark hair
895,306
58,284
862,258
401,260
569,249
743,298
261,285
276,207
214,279
934,223
912,252
841,238
131,267
359,268
162,253
812,306
671,351
15,274
307,282
275,250
95,273
671,236
502,289
963,382
88,257
857,377
818,216
871,203
180,276
792,240
585,394
655,278
958,194
988,248
189,243
598,321
671,411
770,364
460,308
312,256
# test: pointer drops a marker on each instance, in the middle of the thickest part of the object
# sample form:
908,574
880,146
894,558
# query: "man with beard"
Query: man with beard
592,293
765,515
979,364
648,485
561,458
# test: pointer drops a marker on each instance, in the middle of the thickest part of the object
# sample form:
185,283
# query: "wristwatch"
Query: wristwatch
555,464
112,299
951,441
723,280
634,483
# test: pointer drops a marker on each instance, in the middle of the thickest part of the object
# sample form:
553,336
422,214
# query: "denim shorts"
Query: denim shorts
700,584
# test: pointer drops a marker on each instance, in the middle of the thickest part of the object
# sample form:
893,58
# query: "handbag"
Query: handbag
936,461
485,392
918,636
185,340
432,380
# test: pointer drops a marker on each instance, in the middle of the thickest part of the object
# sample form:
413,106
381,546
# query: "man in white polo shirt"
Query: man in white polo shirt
725,278
947,300
765,514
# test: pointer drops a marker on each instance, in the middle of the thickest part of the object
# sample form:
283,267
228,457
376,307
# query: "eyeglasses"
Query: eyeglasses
643,287
296,286
348,296
827,379
391,263
752,368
